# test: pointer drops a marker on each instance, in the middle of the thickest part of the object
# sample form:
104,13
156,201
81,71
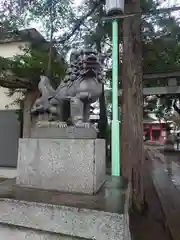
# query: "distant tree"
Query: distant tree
22,72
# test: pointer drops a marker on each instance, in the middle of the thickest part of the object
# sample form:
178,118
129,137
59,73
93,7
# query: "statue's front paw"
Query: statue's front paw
58,124
83,124
62,124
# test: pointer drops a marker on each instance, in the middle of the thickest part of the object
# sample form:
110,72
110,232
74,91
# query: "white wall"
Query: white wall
9,50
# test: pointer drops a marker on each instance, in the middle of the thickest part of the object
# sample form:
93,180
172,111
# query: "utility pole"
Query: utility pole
114,9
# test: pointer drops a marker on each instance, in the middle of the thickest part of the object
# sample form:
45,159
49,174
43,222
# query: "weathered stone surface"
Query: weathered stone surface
62,164
101,216
16,233
69,221
110,198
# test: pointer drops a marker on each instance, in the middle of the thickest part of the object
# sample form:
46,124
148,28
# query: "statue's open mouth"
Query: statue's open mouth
90,72
90,66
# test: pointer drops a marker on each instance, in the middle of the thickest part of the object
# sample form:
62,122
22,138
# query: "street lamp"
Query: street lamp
114,8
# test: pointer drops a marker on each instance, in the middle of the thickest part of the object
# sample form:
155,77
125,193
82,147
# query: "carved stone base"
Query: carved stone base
57,130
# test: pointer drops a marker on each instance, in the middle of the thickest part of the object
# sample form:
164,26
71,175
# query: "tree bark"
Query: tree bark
176,108
132,150
102,124
30,98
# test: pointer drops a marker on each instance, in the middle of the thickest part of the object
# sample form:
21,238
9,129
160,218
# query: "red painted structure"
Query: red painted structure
155,131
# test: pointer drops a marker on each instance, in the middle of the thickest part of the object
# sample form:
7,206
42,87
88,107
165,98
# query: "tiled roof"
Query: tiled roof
31,35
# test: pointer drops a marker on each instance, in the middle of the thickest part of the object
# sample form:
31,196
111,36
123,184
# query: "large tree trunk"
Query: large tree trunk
102,124
30,98
132,106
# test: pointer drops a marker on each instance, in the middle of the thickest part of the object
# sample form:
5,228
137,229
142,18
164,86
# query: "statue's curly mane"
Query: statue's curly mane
86,65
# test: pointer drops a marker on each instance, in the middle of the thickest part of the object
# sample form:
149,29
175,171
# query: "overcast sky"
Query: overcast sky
165,3
170,2
77,2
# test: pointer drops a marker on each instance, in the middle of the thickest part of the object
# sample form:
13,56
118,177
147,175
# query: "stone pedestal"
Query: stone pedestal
70,132
38,214
62,164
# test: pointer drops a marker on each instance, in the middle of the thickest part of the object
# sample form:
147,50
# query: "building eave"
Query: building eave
23,35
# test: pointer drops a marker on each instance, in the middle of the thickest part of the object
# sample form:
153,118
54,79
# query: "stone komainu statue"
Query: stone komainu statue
81,86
